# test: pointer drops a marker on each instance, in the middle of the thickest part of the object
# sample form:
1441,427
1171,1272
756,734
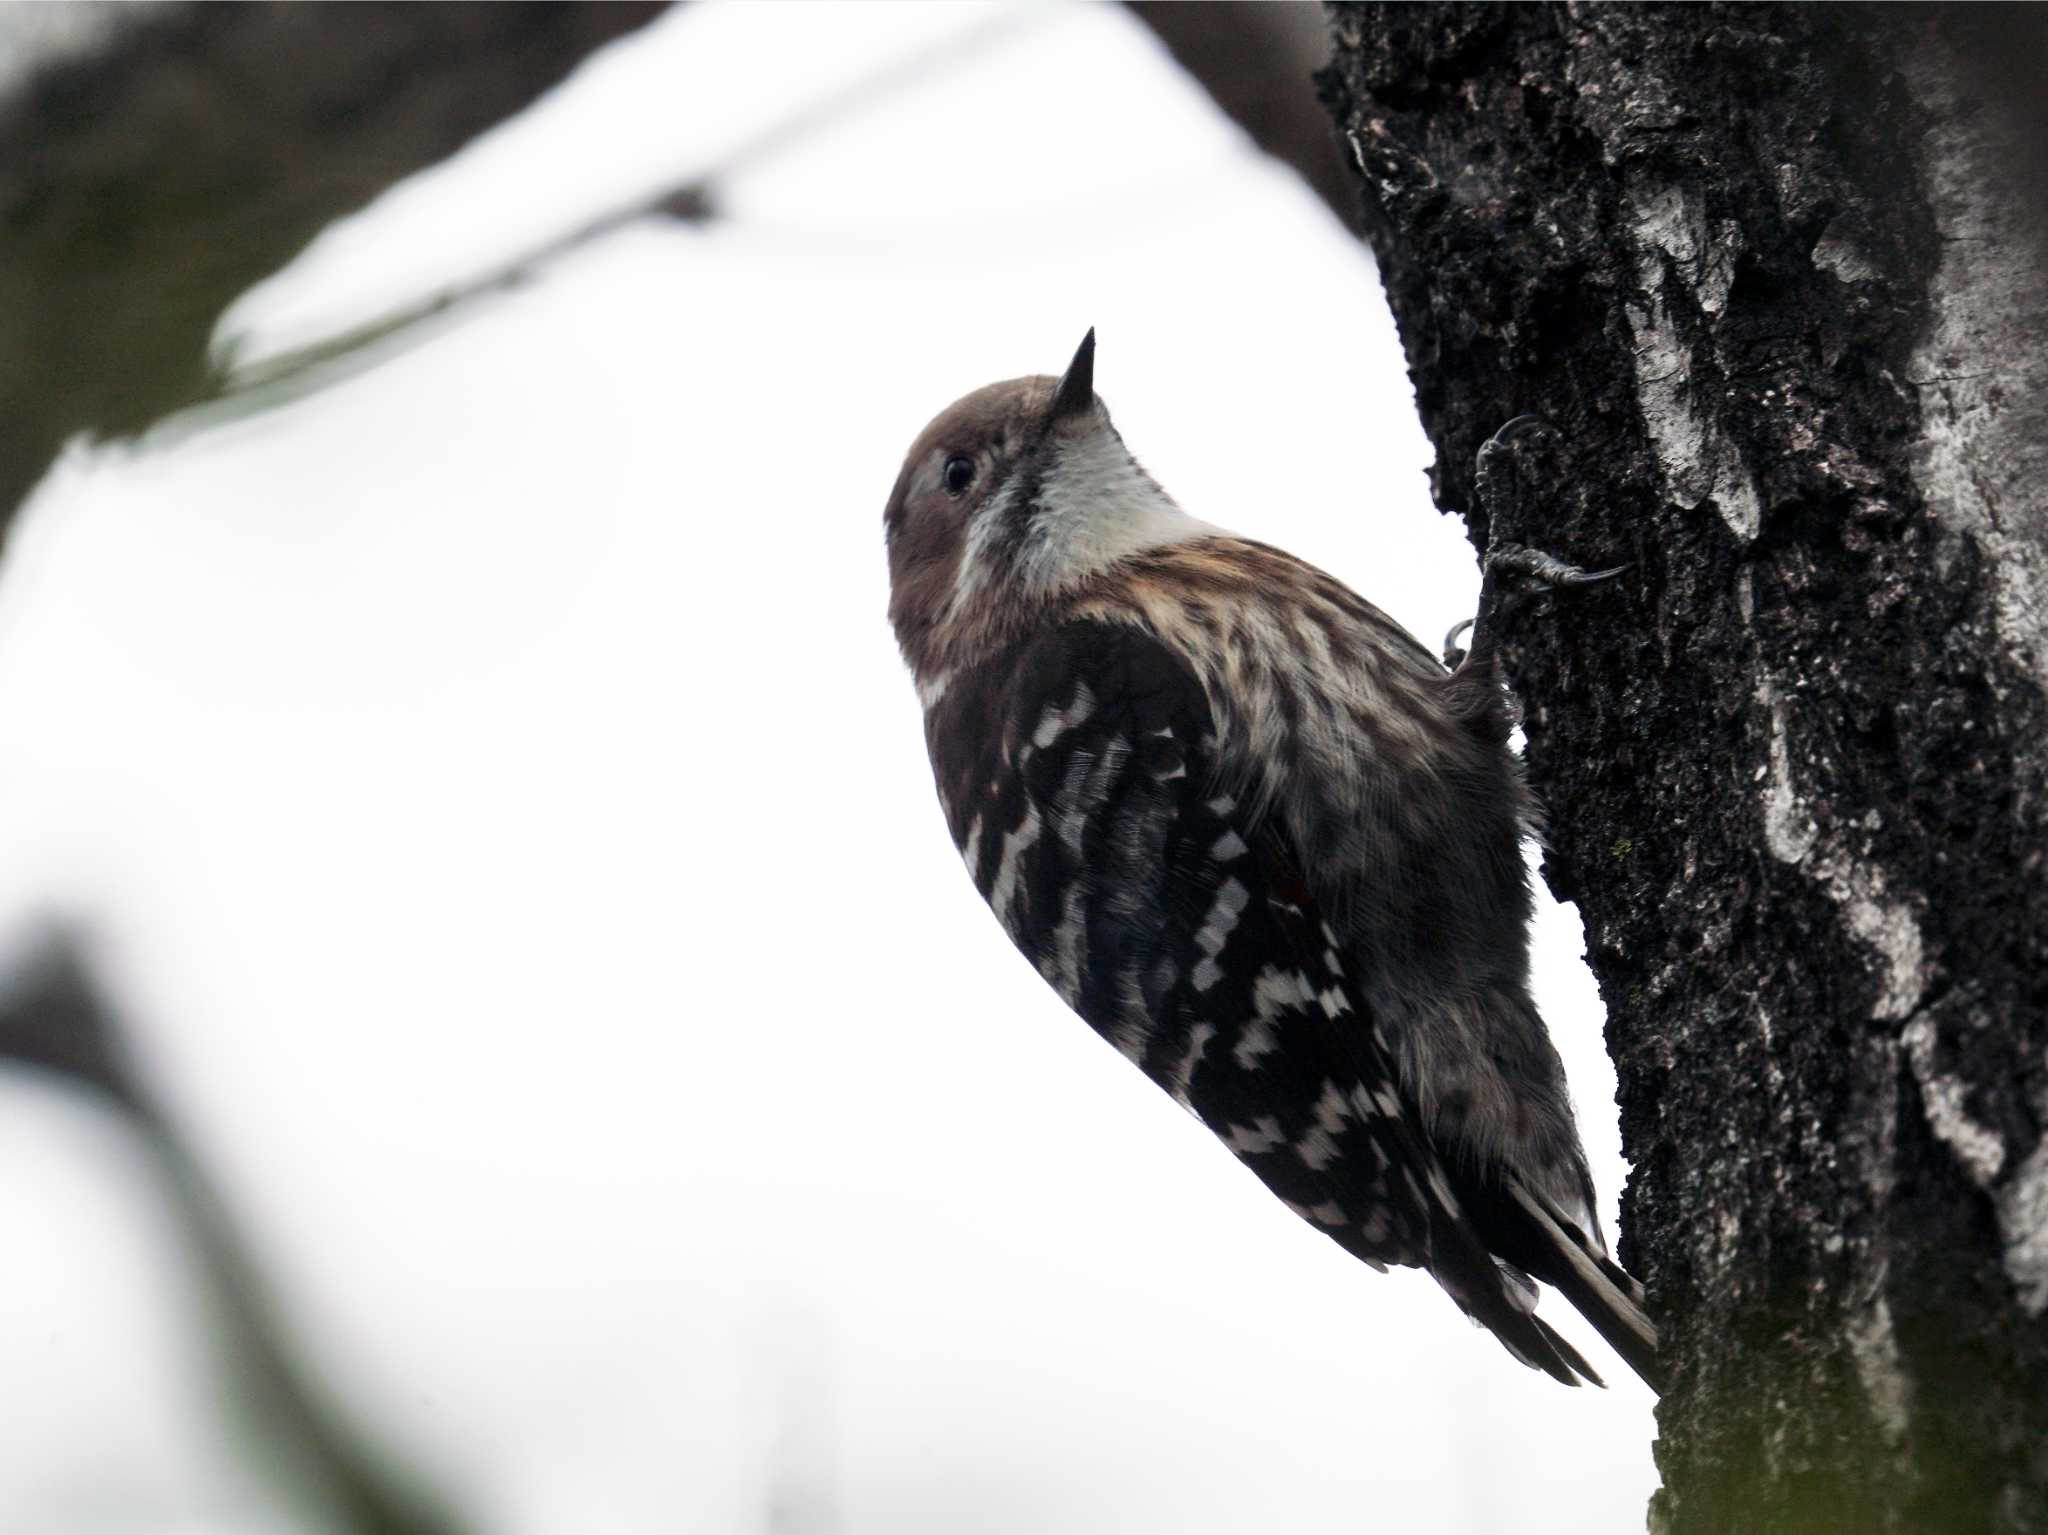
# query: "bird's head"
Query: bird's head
1013,496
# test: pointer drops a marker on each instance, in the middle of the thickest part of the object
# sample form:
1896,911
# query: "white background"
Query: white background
492,789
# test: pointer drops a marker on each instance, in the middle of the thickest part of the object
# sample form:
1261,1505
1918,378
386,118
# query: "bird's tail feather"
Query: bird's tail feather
1604,1293
1503,1301
1519,1330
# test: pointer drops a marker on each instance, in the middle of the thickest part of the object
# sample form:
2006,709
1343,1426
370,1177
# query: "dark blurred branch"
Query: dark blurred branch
245,389
240,390
1255,59
164,159
53,1019
149,180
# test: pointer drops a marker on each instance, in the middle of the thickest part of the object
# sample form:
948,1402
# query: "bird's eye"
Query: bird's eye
958,474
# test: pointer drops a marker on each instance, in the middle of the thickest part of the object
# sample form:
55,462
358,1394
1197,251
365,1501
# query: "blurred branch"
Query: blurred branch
52,1018
156,161
1256,58
244,389
160,160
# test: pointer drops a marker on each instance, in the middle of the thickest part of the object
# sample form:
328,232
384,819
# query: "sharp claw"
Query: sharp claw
1454,653
1487,465
1573,576
1529,569
1547,570
1518,426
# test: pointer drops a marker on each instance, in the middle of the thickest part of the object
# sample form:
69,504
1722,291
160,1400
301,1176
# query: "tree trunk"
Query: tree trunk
1769,273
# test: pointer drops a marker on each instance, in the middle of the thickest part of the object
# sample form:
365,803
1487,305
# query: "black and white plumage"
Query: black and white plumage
1260,839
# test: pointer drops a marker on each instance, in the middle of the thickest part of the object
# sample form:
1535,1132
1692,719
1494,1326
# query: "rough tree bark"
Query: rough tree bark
1769,273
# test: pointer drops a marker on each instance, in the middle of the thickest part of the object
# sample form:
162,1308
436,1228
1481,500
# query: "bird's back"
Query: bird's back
1392,783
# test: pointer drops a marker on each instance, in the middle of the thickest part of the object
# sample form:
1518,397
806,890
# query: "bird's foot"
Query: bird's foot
1490,464
1527,569
1523,572
1512,572
1533,570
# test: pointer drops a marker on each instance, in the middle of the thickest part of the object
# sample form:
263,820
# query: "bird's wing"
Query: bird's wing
1180,927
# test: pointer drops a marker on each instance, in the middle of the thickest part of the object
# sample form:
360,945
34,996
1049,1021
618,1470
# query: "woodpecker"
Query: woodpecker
1262,840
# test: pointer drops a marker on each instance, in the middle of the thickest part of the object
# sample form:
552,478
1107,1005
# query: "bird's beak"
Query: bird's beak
1076,392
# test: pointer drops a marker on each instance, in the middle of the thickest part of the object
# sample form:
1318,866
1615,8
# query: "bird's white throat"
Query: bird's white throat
1096,506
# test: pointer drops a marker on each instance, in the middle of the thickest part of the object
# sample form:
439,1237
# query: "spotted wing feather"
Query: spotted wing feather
1080,779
